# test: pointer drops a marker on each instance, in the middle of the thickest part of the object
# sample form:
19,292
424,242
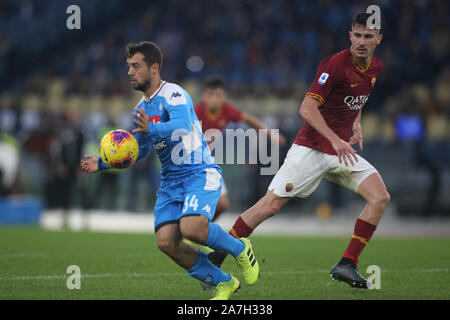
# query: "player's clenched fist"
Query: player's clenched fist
344,151
90,163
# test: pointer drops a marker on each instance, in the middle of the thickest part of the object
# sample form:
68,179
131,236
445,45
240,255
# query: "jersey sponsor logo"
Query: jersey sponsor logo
352,85
356,103
175,94
158,146
323,78
154,119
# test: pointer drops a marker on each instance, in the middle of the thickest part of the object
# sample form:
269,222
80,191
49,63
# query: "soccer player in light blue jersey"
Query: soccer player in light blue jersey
191,181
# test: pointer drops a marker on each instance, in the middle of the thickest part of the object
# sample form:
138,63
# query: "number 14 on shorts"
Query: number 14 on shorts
192,202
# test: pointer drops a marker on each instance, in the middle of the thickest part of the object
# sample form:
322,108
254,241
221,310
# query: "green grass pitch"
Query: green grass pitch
33,265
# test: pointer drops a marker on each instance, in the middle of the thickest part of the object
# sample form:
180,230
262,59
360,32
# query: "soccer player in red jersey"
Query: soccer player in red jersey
214,112
323,148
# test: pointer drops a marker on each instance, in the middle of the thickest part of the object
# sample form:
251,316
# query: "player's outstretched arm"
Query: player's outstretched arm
90,163
257,124
309,110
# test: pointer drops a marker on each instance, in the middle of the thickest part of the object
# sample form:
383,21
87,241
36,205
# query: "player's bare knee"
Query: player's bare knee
196,235
381,200
271,211
166,246
384,199
271,205
195,229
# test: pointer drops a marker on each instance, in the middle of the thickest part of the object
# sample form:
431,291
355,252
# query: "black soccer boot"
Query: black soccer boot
217,258
346,271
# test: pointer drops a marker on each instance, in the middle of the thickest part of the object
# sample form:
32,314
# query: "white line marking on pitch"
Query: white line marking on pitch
165,274
23,255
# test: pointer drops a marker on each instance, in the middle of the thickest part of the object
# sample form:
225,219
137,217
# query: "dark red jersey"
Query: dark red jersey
217,120
342,87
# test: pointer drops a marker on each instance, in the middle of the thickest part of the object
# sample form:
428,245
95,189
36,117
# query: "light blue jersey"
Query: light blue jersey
174,132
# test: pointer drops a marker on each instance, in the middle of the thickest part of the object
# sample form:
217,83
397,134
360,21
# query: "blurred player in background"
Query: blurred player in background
323,148
215,112
190,188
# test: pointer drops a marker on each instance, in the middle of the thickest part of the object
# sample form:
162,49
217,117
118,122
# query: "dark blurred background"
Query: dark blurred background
61,90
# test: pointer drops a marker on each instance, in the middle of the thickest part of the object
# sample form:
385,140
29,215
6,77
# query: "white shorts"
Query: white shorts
304,168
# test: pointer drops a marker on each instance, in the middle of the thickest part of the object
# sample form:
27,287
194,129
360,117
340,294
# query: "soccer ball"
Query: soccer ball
119,149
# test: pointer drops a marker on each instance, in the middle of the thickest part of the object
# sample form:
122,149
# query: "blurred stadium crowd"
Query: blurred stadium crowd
64,89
